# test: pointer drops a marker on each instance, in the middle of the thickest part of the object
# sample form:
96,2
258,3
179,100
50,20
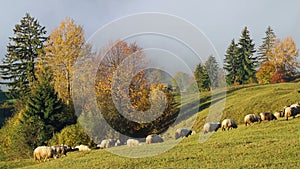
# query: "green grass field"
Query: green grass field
270,144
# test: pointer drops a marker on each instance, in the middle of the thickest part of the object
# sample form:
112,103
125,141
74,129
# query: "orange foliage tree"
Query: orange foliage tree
281,62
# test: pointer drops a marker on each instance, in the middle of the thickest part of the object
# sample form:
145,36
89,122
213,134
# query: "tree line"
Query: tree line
39,72
274,61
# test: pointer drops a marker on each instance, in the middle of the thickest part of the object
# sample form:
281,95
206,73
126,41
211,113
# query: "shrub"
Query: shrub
12,141
71,135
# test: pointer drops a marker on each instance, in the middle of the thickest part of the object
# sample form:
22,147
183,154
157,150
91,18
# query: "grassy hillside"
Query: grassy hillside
273,144
254,99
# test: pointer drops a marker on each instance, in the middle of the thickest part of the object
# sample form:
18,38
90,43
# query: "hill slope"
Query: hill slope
273,144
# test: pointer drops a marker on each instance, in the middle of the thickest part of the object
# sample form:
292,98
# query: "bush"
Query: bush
12,141
71,135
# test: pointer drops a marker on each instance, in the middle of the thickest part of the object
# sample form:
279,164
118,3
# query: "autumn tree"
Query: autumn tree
62,50
265,73
126,96
283,57
18,68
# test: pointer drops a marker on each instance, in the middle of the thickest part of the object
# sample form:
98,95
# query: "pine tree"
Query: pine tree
212,68
247,60
231,63
202,77
267,45
18,65
44,111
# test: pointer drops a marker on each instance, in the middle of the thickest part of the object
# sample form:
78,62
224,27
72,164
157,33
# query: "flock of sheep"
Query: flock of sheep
45,153
288,111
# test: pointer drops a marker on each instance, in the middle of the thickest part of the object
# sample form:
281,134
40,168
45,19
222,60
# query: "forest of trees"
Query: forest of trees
39,72
274,61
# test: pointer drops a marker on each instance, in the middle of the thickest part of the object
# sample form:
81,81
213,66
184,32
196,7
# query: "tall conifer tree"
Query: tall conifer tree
212,68
231,63
247,60
18,66
43,115
267,45
202,77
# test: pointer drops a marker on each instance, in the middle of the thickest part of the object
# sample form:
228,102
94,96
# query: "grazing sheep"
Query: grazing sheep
83,148
289,112
211,126
267,116
228,123
132,142
60,150
108,143
44,153
182,132
279,114
251,118
297,107
153,138
117,143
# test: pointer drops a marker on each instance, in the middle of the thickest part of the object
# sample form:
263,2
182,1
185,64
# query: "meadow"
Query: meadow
270,144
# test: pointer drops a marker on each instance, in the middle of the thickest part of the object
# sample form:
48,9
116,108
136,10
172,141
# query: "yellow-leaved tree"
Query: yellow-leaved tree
281,63
63,47
283,57
130,101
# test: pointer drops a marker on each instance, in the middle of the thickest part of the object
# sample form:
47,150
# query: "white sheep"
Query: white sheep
267,116
279,114
290,112
132,142
211,126
228,124
61,150
153,138
183,132
83,148
107,143
251,118
44,153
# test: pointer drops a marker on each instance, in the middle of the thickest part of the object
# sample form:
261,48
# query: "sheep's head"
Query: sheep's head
259,119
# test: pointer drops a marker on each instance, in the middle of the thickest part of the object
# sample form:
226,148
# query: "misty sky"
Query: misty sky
220,21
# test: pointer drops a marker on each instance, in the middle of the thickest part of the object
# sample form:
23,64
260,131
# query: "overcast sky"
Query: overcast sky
220,21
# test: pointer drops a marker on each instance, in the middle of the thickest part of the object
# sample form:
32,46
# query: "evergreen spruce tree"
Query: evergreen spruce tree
212,68
202,77
231,63
266,46
17,69
43,115
246,58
